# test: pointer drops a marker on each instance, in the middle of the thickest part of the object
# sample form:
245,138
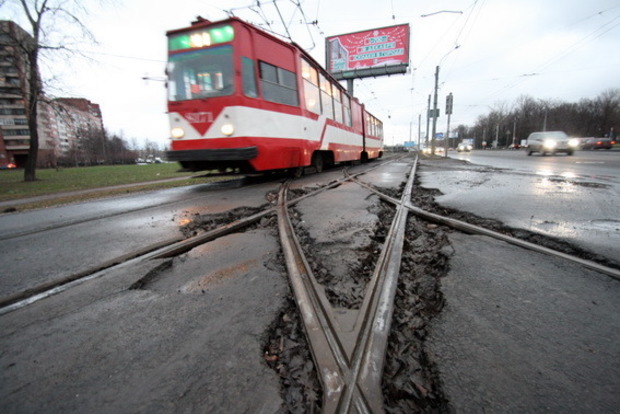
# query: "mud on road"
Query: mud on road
343,251
344,264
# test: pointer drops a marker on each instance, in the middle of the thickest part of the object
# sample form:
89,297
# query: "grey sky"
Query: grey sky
506,48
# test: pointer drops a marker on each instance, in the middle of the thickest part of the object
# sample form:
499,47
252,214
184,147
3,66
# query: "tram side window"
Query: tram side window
346,106
374,127
337,104
369,128
311,87
326,97
249,77
278,85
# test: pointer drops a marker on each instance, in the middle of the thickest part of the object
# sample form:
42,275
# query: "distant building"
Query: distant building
14,130
65,125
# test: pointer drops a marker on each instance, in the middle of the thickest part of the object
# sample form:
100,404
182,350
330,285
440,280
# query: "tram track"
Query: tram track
158,250
474,229
349,362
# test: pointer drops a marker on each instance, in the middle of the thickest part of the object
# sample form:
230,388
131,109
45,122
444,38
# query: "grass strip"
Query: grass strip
52,181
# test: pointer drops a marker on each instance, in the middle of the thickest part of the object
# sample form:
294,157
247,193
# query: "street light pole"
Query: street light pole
419,128
428,118
435,111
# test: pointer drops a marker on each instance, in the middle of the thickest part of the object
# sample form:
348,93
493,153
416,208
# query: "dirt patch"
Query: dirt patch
198,223
346,289
288,354
410,381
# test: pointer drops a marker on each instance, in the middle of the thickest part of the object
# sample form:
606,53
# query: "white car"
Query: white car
464,147
550,142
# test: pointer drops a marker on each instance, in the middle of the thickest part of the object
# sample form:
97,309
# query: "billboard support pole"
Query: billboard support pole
350,86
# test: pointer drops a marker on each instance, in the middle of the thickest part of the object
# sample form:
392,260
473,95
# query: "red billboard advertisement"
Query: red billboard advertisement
386,50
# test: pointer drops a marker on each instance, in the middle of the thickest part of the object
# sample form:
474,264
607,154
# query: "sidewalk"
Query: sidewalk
17,202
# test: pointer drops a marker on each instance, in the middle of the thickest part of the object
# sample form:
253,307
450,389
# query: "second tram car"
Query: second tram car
241,98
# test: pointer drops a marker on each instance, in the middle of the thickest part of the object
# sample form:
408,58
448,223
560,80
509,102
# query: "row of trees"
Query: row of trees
95,147
504,125
98,147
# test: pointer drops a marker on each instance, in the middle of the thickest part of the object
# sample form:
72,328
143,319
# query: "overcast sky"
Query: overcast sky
489,55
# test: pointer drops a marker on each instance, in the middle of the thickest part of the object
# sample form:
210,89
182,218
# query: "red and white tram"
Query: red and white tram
241,98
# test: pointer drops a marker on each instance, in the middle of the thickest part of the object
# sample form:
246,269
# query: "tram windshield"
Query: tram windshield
204,73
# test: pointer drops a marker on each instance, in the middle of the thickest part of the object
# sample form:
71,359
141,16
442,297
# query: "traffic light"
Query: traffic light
449,104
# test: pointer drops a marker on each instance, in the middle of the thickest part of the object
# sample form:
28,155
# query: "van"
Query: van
550,142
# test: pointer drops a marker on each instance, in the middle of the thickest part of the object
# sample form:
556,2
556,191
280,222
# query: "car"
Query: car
428,150
550,142
464,147
597,143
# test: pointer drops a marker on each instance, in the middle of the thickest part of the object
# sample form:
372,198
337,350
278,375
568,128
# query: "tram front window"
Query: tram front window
199,74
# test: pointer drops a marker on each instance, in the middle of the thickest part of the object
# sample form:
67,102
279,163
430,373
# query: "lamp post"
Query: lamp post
435,113
428,118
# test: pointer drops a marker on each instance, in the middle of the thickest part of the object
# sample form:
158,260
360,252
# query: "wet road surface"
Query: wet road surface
519,331
574,198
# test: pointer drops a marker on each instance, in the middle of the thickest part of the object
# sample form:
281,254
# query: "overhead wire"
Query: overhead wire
575,46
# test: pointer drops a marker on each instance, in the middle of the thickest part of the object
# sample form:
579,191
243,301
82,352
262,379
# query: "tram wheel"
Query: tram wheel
317,162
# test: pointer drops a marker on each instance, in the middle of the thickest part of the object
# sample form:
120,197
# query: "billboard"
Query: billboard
374,52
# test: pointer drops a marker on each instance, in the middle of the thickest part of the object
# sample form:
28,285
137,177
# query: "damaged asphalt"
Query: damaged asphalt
479,325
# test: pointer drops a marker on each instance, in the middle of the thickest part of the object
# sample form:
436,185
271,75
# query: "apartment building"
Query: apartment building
63,123
14,130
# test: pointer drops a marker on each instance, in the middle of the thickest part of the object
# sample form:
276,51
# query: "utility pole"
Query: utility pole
410,128
420,128
435,111
496,142
428,118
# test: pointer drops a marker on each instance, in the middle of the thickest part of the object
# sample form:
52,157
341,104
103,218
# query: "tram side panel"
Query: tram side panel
283,141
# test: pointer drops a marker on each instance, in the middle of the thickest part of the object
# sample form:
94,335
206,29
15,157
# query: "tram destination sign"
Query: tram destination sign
374,52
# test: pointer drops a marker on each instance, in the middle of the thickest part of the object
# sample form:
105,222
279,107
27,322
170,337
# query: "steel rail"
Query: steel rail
377,308
349,362
327,350
159,250
473,229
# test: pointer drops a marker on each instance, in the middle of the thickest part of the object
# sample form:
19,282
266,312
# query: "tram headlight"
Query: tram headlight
227,129
177,132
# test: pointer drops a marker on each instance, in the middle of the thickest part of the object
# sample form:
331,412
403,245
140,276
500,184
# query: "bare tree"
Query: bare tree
589,117
43,16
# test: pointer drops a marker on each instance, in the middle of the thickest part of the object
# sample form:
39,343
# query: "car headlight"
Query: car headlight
227,129
573,142
549,143
177,132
